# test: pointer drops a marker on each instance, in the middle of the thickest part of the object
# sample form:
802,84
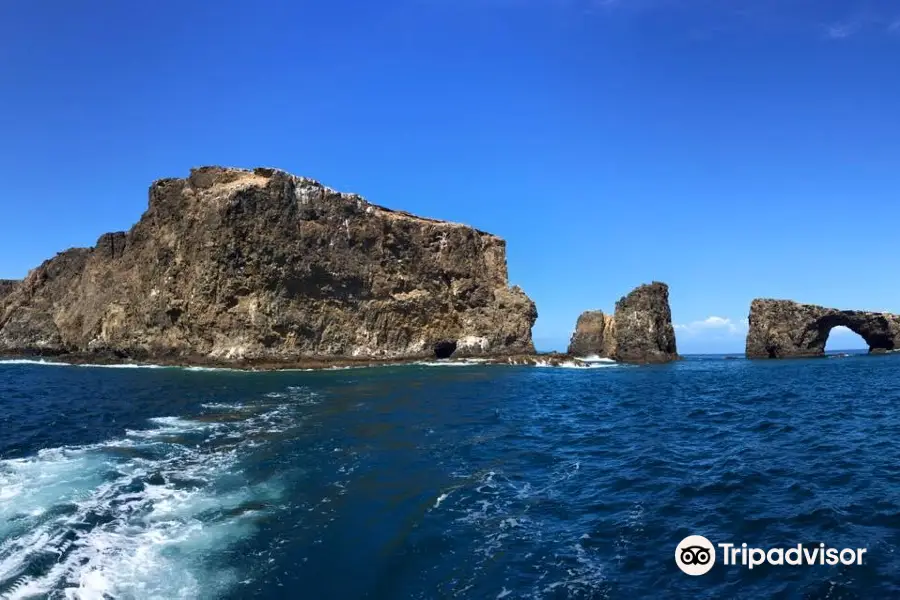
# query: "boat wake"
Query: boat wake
140,516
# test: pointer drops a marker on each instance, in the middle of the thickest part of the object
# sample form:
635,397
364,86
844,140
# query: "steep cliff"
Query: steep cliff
595,334
231,264
6,287
640,332
644,331
783,328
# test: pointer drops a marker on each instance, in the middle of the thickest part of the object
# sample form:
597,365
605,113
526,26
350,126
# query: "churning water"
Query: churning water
478,481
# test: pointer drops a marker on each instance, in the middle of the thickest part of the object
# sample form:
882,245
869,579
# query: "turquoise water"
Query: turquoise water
429,481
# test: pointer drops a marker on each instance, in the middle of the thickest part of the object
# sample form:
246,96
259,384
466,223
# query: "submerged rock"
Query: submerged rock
640,332
231,265
784,328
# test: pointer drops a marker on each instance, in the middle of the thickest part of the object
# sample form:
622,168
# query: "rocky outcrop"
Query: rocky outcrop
595,334
640,332
644,331
6,287
783,328
230,265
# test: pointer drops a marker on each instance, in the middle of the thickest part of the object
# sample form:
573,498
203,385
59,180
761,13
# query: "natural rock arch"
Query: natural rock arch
783,328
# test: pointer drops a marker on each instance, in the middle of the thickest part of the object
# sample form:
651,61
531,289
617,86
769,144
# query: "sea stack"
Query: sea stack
644,331
235,265
640,332
595,335
786,329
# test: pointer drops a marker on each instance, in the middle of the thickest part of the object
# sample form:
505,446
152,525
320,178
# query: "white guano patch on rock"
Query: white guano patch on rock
411,295
471,342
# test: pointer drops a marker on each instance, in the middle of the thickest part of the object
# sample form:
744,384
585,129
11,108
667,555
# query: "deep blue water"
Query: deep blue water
446,482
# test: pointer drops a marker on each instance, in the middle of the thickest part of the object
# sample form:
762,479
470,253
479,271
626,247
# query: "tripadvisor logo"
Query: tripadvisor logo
696,555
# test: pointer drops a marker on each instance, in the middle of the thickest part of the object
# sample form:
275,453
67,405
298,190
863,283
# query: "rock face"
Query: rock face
644,331
595,334
783,328
640,332
6,287
232,264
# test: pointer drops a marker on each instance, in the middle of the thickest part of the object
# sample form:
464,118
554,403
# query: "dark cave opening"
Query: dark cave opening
444,349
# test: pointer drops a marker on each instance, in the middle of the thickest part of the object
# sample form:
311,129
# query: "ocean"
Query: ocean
436,481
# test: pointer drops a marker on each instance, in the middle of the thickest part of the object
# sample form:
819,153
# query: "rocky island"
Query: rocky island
785,329
264,267
640,331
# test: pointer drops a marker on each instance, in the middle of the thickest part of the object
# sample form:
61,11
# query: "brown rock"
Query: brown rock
640,332
6,287
784,328
595,334
644,331
230,265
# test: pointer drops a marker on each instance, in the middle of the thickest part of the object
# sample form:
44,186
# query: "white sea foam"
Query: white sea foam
49,363
32,361
226,405
492,510
573,364
124,366
462,362
110,520
597,359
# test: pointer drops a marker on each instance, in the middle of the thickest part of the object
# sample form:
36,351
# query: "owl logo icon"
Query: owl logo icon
695,555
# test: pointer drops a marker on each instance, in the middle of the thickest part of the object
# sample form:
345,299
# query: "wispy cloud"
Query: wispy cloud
833,21
717,326
841,31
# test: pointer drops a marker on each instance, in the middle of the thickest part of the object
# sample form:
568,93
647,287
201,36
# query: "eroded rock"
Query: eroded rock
6,287
643,322
444,348
784,328
640,332
231,264
595,334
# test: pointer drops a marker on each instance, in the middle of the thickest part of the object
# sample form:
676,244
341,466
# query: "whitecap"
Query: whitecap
576,364
123,366
154,533
32,361
461,362
594,358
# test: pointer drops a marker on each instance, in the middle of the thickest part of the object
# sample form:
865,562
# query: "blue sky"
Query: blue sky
731,148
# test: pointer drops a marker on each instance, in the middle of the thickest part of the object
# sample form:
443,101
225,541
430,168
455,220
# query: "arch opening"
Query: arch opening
841,338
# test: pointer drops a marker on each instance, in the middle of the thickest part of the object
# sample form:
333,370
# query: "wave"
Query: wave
31,361
568,364
590,362
50,363
492,511
138,516
461,362
123,366
594,358
580,365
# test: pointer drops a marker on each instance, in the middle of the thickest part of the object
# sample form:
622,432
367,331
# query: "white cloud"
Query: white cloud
841,31
718,326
